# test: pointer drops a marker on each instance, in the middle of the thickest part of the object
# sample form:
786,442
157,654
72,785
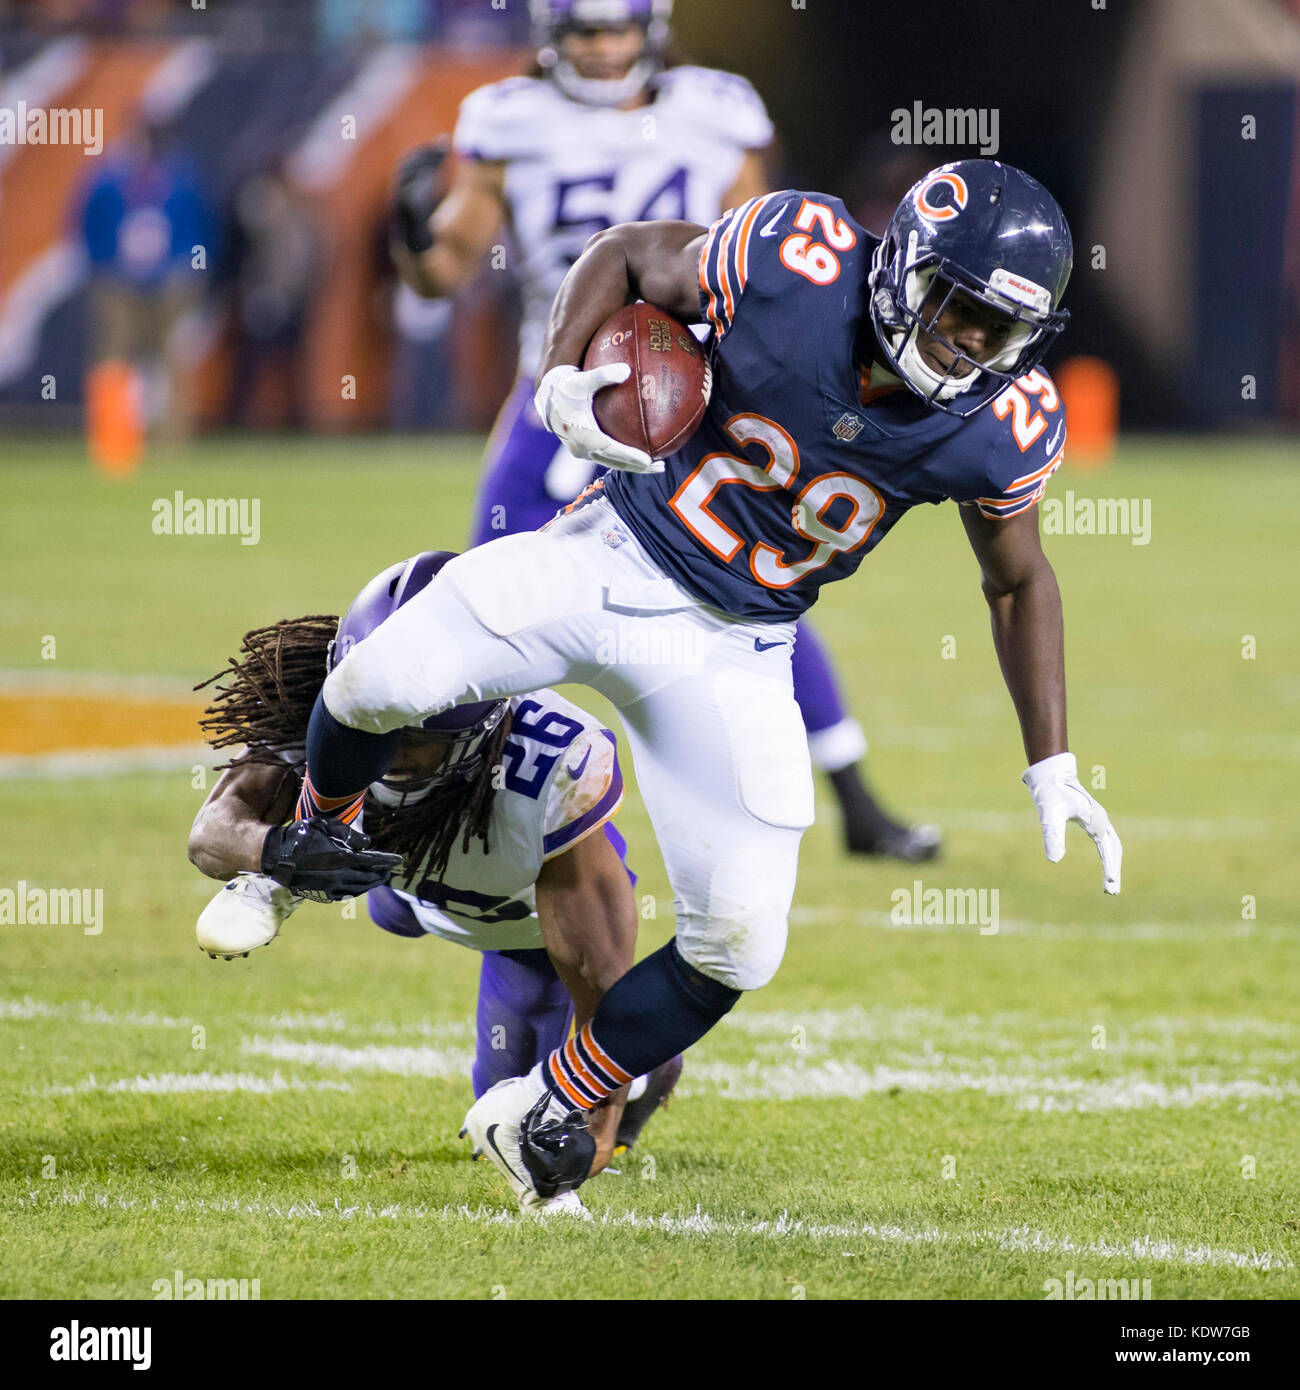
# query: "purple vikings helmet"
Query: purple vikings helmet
552,19
463,728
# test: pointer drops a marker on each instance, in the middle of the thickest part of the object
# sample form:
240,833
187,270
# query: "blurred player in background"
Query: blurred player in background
143,210
529,872
607,128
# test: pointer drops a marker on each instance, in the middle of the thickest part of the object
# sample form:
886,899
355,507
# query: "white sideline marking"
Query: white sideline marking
182,1083
102,762
83,1011
457,1030
1018,1239
852,1022
847,1080
908,1023
440,1062
27,1009
830,1079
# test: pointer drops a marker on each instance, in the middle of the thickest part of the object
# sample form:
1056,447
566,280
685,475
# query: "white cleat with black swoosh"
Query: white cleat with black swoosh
542,1157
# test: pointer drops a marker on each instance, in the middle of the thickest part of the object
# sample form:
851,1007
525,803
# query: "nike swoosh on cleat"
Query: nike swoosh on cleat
576,772
761,646
492,1129
769,227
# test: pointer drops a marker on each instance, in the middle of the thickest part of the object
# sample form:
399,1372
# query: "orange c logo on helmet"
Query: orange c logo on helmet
947,212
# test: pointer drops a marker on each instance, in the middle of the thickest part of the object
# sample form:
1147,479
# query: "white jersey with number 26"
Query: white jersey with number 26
573,169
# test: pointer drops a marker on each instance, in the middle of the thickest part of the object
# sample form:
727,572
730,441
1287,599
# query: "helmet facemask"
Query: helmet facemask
900,286
462,762
594,91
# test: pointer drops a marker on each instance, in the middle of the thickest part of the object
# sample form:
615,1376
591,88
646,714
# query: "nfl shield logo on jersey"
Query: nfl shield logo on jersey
847,427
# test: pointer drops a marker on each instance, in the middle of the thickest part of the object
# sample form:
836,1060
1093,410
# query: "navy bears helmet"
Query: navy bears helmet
984,228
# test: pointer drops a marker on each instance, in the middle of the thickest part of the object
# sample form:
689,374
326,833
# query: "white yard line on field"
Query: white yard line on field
83,1011
830,1079
181,1083
847,1080
1018,1031
438,1062
699,1225
101,762
28,1010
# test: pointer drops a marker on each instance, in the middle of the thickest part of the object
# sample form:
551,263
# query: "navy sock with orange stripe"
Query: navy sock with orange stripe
341,763
658,1009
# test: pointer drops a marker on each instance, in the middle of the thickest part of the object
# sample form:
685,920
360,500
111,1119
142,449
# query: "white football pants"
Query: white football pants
719,748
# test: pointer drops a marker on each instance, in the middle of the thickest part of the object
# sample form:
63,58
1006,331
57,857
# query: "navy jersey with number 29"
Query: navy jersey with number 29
793,477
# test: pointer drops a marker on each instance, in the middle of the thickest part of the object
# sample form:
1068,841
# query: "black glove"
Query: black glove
416,194
325,860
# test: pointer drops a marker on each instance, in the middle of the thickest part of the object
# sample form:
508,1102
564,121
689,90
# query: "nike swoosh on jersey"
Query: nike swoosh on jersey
769,227
761,646
1055,439
576,772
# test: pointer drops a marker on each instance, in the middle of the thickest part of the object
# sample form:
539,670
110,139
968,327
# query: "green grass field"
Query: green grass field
1105,1085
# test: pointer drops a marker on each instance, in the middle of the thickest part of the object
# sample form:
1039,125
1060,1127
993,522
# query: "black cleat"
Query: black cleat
556,1153
913,844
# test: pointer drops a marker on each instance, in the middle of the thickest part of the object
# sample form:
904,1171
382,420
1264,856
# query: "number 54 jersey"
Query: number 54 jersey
800,468
572,169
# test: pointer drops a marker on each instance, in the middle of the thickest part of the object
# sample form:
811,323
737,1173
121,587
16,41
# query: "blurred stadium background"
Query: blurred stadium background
226,124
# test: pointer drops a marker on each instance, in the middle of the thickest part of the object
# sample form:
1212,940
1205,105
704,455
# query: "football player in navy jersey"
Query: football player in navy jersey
854,378
605,129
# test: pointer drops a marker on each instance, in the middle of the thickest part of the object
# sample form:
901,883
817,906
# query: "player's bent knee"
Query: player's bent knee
739,939
394,678
741,953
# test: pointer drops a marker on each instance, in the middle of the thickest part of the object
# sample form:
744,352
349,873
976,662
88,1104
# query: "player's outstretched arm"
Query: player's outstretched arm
654,261
1029,636
441,231
240,829
588,919
230,828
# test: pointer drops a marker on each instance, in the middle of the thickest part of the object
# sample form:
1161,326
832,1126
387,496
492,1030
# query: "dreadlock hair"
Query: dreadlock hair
264,702
270,690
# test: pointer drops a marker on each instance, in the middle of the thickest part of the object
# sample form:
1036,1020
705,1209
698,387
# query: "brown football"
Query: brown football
661,404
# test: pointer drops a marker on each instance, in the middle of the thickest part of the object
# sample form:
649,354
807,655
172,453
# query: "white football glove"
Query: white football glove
245,914
1059,797
564,403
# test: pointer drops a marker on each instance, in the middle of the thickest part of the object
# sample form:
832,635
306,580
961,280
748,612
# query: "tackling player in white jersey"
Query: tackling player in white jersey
501,811
606,129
